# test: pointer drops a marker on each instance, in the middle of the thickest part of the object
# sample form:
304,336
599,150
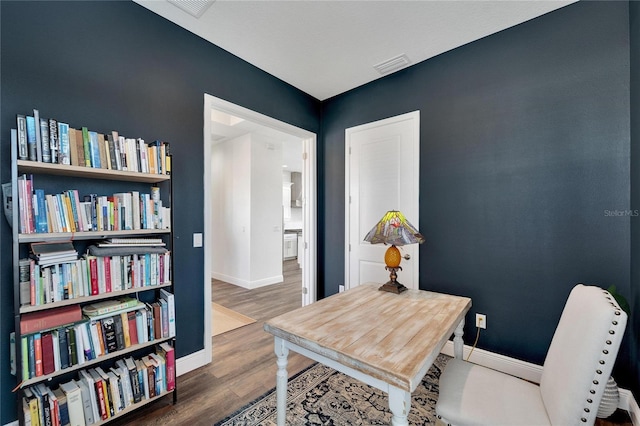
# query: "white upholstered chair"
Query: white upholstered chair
575,373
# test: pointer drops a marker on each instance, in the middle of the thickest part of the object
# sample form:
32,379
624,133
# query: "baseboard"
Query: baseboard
532,372
192,361
249,285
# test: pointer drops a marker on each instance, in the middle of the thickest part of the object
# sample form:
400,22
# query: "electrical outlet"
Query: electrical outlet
481,321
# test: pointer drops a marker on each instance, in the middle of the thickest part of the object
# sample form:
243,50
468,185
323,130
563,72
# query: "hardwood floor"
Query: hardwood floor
244,365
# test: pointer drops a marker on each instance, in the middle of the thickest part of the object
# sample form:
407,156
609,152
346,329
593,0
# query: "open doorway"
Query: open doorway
269,139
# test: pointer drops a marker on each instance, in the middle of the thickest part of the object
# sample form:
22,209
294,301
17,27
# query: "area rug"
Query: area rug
323,396
224,319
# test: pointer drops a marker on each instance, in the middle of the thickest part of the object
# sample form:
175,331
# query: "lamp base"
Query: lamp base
393,286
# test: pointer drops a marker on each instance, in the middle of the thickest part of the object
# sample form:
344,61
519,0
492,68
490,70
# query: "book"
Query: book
54,140
65,147
64,348
36,118
167,352
102,151
134,379
94,150
87,379
32,322
37,344
62,406
44,137
74,403
119,330
46,342
171,309
86,143
110,306
31,137
109,331
23,149
133,327
73,351
86,401
108,397
101,396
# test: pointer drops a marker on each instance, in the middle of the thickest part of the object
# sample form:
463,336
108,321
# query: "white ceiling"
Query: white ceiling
325,48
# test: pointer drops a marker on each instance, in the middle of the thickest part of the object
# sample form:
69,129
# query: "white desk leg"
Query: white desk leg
282,352
400,404
458,343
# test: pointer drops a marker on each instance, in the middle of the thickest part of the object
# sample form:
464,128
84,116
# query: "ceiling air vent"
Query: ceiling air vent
393,64
193,7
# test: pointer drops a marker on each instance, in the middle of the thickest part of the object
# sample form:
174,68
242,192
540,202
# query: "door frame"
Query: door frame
415,117
309,184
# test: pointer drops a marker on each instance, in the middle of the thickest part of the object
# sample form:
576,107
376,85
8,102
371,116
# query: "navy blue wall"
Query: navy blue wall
524,147
115,65
634,342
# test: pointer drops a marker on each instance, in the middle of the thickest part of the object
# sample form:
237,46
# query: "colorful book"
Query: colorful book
42,320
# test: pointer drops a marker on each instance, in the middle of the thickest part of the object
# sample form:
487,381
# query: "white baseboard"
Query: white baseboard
532,372
249,285
191,362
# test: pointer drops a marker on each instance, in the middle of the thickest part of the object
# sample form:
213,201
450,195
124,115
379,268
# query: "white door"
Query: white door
382,174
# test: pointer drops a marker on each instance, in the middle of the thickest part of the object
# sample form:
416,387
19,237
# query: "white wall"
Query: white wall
247,211
266,211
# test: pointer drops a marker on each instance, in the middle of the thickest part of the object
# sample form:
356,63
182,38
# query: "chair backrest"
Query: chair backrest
582,353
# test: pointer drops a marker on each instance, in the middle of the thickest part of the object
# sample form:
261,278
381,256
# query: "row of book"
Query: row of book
90,276
91,337
99,394
65,212
51,141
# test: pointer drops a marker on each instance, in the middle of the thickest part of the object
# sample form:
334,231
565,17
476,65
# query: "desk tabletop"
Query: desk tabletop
392,337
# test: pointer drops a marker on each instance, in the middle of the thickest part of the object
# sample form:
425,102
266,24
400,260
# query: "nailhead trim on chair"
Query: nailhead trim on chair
604,351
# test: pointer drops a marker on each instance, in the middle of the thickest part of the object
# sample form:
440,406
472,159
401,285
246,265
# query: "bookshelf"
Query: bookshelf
142,273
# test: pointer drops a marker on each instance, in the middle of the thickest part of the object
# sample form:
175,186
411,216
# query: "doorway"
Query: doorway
307,248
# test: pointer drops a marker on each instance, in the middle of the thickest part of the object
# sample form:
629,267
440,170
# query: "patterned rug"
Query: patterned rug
323,396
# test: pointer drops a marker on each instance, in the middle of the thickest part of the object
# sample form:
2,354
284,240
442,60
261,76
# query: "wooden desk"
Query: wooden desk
385,340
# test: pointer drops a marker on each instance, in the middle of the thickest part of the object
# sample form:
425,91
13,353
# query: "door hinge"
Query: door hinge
305,290
349,247
349,150
305,245
304,155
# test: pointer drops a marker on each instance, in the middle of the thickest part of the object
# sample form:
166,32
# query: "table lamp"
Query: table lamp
396,230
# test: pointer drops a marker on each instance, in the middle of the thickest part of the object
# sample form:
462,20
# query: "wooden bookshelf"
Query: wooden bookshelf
26,166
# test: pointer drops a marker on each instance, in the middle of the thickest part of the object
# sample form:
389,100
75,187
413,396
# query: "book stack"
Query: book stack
52,141
60,338
99,394
52,253
65,212
92,275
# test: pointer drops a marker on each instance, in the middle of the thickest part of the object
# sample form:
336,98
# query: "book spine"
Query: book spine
36,117
23,148
54,140
44,137
86,143
37,344
31,138
65,147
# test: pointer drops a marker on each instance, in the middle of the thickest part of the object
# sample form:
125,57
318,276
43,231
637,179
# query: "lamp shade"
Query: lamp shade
394,229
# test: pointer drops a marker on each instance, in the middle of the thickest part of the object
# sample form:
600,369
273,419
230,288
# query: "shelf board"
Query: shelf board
85,299
133,407
90,235
25,166
87,364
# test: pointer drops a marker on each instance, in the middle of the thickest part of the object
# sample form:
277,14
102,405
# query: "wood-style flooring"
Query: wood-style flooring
244,365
